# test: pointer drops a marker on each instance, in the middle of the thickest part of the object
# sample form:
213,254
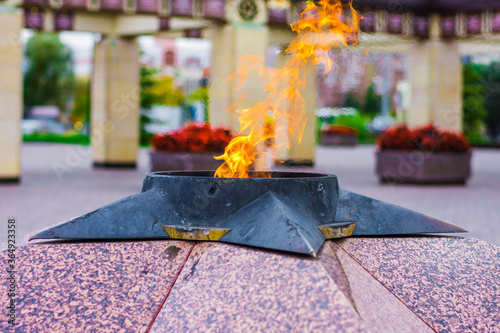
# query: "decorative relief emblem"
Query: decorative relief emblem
248,9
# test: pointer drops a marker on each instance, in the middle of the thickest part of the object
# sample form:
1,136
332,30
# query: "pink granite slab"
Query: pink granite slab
355,285
228,288
452,283
83,287
379,309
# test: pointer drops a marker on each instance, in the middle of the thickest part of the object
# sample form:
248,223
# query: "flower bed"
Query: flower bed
423,155
336,135
192,147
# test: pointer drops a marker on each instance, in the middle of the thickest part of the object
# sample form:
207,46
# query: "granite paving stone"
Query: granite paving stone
453,283
83,287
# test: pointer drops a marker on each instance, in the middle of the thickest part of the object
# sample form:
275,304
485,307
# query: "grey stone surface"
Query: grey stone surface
58,183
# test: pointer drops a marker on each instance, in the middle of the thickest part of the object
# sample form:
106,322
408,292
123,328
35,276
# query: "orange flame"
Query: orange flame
321,27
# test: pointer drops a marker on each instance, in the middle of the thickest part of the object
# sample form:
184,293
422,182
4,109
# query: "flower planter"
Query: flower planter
162,161
339,139
423,167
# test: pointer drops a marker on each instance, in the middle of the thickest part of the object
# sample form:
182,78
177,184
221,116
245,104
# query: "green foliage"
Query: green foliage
149,82
360,123
149,96
49,77
155,90
317,130
81,104
357,121
478,139
492,100
200,95
370,106
373,101
70,137
473,110
168,93
352,101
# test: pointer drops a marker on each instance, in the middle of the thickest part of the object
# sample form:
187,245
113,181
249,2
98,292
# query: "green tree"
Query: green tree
149,96
492,100
168,93
473,93
373,101
81,109
201,95
149,83
49,78
352,101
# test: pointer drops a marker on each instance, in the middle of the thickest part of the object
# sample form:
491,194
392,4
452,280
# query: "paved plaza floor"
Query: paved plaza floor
58,183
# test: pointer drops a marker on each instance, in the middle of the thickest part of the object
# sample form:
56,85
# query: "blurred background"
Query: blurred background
84,88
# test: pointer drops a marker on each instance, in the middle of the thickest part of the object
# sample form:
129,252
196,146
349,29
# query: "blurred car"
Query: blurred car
30,126
379,124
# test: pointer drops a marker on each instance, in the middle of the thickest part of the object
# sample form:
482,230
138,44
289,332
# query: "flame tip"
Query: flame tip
322,25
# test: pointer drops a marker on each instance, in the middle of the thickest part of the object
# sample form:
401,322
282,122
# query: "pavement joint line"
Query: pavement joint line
170,289
399,299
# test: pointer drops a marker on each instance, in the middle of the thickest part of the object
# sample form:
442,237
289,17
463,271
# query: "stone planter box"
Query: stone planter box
162,161
423,167
339,139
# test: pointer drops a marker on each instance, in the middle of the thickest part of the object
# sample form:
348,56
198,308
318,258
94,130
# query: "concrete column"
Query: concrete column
436,84
420,77
283,152
230,43
304,153
115,103
239,37
223,64
11,88
446,87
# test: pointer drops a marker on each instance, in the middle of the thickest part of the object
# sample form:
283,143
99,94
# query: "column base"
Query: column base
115,165
10,180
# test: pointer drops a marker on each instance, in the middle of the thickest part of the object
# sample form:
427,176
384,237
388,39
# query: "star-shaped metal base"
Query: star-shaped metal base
292,212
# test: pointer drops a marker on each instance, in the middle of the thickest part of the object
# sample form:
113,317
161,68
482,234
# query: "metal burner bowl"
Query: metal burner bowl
207,200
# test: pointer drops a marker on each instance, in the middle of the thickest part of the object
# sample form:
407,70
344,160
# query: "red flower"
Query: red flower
195,138
426,137
340,130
